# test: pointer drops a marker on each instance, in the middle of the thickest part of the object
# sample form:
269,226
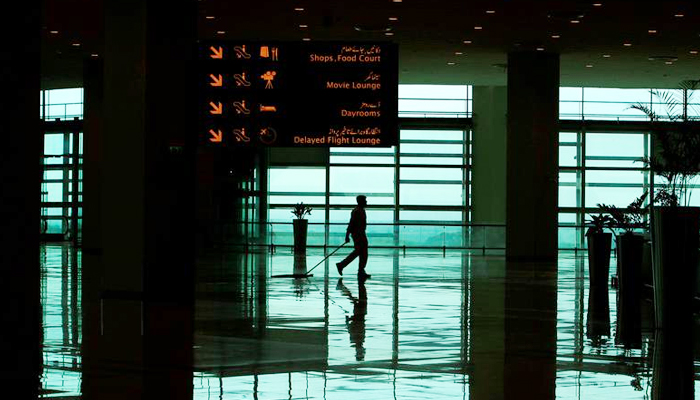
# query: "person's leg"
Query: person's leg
350,257
347,260
362,248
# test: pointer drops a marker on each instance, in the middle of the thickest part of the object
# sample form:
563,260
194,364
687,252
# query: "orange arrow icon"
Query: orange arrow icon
216,80
216,108
217,53
217,136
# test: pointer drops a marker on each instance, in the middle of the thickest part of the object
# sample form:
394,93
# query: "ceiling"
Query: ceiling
663,38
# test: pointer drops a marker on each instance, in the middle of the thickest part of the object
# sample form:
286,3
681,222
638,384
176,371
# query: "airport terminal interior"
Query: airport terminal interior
200,164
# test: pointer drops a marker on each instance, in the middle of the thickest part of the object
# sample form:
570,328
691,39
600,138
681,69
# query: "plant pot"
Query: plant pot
301,227
598,320
676,235
300,264
672,365
630,249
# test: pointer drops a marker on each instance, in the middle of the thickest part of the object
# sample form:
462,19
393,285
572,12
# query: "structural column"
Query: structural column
532,156
20,194
139,216
489,162
531,219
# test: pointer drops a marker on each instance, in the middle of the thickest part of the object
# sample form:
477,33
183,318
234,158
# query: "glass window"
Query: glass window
297,198
62,103
362,180
616,196
342,159
429,174
615,149
433,91
374,216
434,101
431,195
571,94
297,180
432,149
615,177
568,232
568,192
432,135
568,156
374,199
613,103
53,174
285,215
413,160
570,110
65,96
447,216
432,108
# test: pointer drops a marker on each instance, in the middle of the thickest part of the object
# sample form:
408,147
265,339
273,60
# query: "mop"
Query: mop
308,274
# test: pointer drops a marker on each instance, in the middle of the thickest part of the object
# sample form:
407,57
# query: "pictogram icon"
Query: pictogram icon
241,52
240,107
241,80
216,136
240,135
217,53
268,77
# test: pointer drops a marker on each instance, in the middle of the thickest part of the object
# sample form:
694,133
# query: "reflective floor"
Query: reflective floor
427,325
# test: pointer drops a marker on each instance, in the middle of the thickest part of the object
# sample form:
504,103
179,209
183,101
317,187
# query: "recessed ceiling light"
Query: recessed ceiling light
680,15
589,65
467,42
478,28
306,39
210,17
220,32
458,53
94,55
299,9
389,33
606,56
693,52
575,21
490,11
556,36
397,1
393,18
303,26
540,49
450,63
627,44
597,4
653,31
76,44
54,32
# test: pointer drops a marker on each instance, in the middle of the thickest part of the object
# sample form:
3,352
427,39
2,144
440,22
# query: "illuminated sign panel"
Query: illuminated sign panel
298,94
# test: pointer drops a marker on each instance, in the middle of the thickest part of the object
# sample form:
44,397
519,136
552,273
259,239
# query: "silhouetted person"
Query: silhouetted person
356,229
356,322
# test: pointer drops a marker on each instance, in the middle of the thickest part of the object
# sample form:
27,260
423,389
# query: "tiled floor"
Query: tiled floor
425,326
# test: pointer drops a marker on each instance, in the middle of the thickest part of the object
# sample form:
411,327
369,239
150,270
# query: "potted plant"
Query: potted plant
630,250
599,244
675,225
301,226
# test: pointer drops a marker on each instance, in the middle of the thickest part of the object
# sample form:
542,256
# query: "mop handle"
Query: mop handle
325,258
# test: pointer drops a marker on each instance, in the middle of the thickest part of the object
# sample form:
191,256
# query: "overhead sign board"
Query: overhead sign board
298,94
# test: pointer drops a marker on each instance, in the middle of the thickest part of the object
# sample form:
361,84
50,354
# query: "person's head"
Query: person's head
361,200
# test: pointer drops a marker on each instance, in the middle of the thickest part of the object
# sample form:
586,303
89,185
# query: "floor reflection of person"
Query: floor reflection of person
356,322
356,228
